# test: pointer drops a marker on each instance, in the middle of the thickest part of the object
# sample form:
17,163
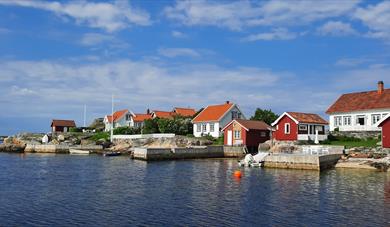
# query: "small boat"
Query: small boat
77,151
111,153
253,161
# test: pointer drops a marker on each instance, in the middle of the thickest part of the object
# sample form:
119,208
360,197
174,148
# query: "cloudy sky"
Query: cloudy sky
56,56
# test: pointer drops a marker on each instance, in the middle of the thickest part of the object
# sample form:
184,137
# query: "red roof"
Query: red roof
213,113
308,118
63,123
141,117
185,112
117,115
361,101
250,124
163,114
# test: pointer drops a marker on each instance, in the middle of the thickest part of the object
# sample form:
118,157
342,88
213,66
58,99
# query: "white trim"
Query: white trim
382,120
223,129
281,116
285,128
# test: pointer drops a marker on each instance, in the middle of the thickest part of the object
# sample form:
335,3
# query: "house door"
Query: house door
229,137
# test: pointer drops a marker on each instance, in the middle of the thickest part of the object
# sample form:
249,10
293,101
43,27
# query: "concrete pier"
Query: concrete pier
46,148
151,154
302,161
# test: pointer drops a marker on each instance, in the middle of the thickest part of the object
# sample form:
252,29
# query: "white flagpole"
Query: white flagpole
85,115
112,117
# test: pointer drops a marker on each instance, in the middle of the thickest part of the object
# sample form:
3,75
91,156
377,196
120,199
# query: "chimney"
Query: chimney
228,102
147,111
381,87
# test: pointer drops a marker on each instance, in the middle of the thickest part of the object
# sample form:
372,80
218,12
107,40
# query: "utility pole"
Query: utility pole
112,117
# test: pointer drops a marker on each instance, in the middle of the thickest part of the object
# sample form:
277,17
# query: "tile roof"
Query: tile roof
63,123
141,117
361,101
308,118
117,115
213,113
185,112
256,125
163,114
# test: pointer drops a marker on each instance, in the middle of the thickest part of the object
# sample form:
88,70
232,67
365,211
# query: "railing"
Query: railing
144,136
315,150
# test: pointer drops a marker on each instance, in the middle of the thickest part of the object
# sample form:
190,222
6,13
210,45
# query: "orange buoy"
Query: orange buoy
237,174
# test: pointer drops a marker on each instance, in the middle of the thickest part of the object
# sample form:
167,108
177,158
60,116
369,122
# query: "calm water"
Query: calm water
66,190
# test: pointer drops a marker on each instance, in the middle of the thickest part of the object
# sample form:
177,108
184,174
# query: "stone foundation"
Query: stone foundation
358,134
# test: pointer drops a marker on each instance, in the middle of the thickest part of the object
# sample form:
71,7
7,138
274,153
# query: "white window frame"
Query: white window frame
347,120
204,128
198,127
287,126
375,118
212,127
237,134
319,128
361,116
338,120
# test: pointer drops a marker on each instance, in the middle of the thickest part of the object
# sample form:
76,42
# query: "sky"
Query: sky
57,56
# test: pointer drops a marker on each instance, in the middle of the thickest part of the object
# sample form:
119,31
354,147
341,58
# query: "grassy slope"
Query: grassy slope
363,143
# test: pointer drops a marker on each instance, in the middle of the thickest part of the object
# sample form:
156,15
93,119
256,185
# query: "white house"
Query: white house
212,119
360,111
121,118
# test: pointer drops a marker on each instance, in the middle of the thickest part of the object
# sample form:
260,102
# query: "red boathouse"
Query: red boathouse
246,133
385,125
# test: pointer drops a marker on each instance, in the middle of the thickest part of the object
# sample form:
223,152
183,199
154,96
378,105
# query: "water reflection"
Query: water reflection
93,190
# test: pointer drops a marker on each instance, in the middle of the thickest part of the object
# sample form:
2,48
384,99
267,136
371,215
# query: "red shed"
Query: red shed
62,125
385,125
246,132
292,126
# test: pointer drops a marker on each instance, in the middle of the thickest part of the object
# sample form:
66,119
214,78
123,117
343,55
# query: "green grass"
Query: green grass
101,135
358,143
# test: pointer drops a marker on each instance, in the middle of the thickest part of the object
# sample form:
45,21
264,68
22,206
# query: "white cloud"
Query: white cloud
275,34
178,52
178,34
377,19
108,16
352,62
336,28
4,31
239,14
91,39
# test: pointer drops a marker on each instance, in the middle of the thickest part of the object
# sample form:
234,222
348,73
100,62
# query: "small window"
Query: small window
303,127
375,118
287,128
211,127
263,134
198,127
319,128
347,120
237,134
203,127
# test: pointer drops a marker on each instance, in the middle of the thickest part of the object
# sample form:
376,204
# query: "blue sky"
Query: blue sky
56,56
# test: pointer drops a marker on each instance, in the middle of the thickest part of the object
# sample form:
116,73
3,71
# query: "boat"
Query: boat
253,160
111,153
77,151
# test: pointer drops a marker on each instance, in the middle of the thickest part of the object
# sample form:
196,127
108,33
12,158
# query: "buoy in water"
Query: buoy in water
237,174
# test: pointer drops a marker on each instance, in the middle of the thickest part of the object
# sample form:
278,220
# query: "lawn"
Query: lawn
349,144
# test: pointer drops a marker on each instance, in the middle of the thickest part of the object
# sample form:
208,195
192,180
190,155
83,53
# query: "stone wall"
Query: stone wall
233,151
37,148
293,161
358,134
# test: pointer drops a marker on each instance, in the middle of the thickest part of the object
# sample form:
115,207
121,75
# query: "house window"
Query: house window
337,121
128,117
235,115
303,127
287,128
347,120
263,134
203,127
211,127
319,128
361,120
198,127
237,134
375,118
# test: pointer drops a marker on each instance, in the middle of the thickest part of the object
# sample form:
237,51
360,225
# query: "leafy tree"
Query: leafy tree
265,115
150,126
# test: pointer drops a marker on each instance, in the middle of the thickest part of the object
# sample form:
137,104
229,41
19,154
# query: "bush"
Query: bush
150,126
75,130
178,125
126,131
101,135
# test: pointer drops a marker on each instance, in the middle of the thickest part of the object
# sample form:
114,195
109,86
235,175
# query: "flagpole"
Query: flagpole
85,115
112,117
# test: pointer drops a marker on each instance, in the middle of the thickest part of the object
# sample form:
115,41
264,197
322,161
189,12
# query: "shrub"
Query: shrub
75,130
101,135
126,131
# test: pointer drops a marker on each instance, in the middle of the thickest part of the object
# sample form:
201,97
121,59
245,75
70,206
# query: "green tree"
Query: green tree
264,115
126,131
150,126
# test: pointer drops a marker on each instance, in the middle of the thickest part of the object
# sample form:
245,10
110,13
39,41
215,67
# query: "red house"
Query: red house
385,125
246,132
62,125
292,126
